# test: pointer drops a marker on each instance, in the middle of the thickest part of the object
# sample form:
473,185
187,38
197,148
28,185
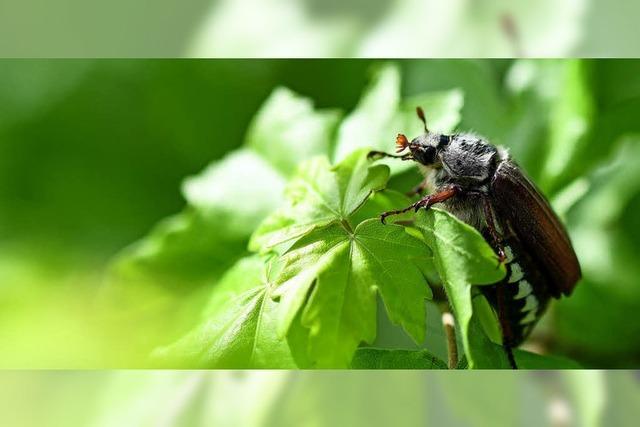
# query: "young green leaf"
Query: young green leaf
463,259
341,271
238,328
288,130
380,358
383,201
333,267
319,195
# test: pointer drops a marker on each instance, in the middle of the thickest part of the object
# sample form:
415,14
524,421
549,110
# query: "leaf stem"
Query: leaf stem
448,323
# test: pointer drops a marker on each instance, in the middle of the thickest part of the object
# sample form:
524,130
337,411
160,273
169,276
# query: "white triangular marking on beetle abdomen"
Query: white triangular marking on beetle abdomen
524,289
530,304
508,253
516,273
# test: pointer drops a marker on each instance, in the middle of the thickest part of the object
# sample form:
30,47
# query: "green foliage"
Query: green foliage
320,195
328,256
191,250
341,271
332,257
463,259
239,327
309,299
379,358
331,267
288,130
239,190
278,257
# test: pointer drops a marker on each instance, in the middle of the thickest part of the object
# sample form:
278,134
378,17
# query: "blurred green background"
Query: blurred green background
93,152
319,28
318,399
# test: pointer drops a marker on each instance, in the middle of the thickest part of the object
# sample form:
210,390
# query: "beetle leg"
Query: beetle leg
439,197
377,155
425,202
384,215
491,225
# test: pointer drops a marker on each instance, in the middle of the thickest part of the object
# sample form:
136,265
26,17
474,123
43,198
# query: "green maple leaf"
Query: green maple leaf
319,195
333,267
238,328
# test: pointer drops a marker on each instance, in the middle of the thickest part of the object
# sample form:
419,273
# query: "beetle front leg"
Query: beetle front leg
439,197
488,213
377,155
425,202
383,217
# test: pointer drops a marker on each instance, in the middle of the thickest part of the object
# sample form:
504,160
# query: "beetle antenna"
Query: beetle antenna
420,113
401,143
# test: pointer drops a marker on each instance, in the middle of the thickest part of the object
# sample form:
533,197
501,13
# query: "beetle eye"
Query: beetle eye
444,139
425,155
429,154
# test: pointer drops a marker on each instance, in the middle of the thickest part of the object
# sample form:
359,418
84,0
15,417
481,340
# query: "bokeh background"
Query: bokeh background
93,154
319,28
318,399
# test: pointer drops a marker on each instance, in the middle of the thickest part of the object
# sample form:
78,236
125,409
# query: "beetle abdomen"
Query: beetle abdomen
524,291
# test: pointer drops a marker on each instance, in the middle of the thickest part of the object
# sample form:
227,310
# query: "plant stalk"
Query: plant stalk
448,323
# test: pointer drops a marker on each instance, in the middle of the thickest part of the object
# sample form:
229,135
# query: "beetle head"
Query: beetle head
424,148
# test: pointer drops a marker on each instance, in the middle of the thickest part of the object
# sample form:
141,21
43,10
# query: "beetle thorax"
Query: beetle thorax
468,161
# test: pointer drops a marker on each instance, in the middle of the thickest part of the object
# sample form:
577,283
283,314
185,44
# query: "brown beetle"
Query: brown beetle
481,185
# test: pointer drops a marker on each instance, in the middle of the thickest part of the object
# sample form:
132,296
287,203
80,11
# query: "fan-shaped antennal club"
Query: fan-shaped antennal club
401,143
